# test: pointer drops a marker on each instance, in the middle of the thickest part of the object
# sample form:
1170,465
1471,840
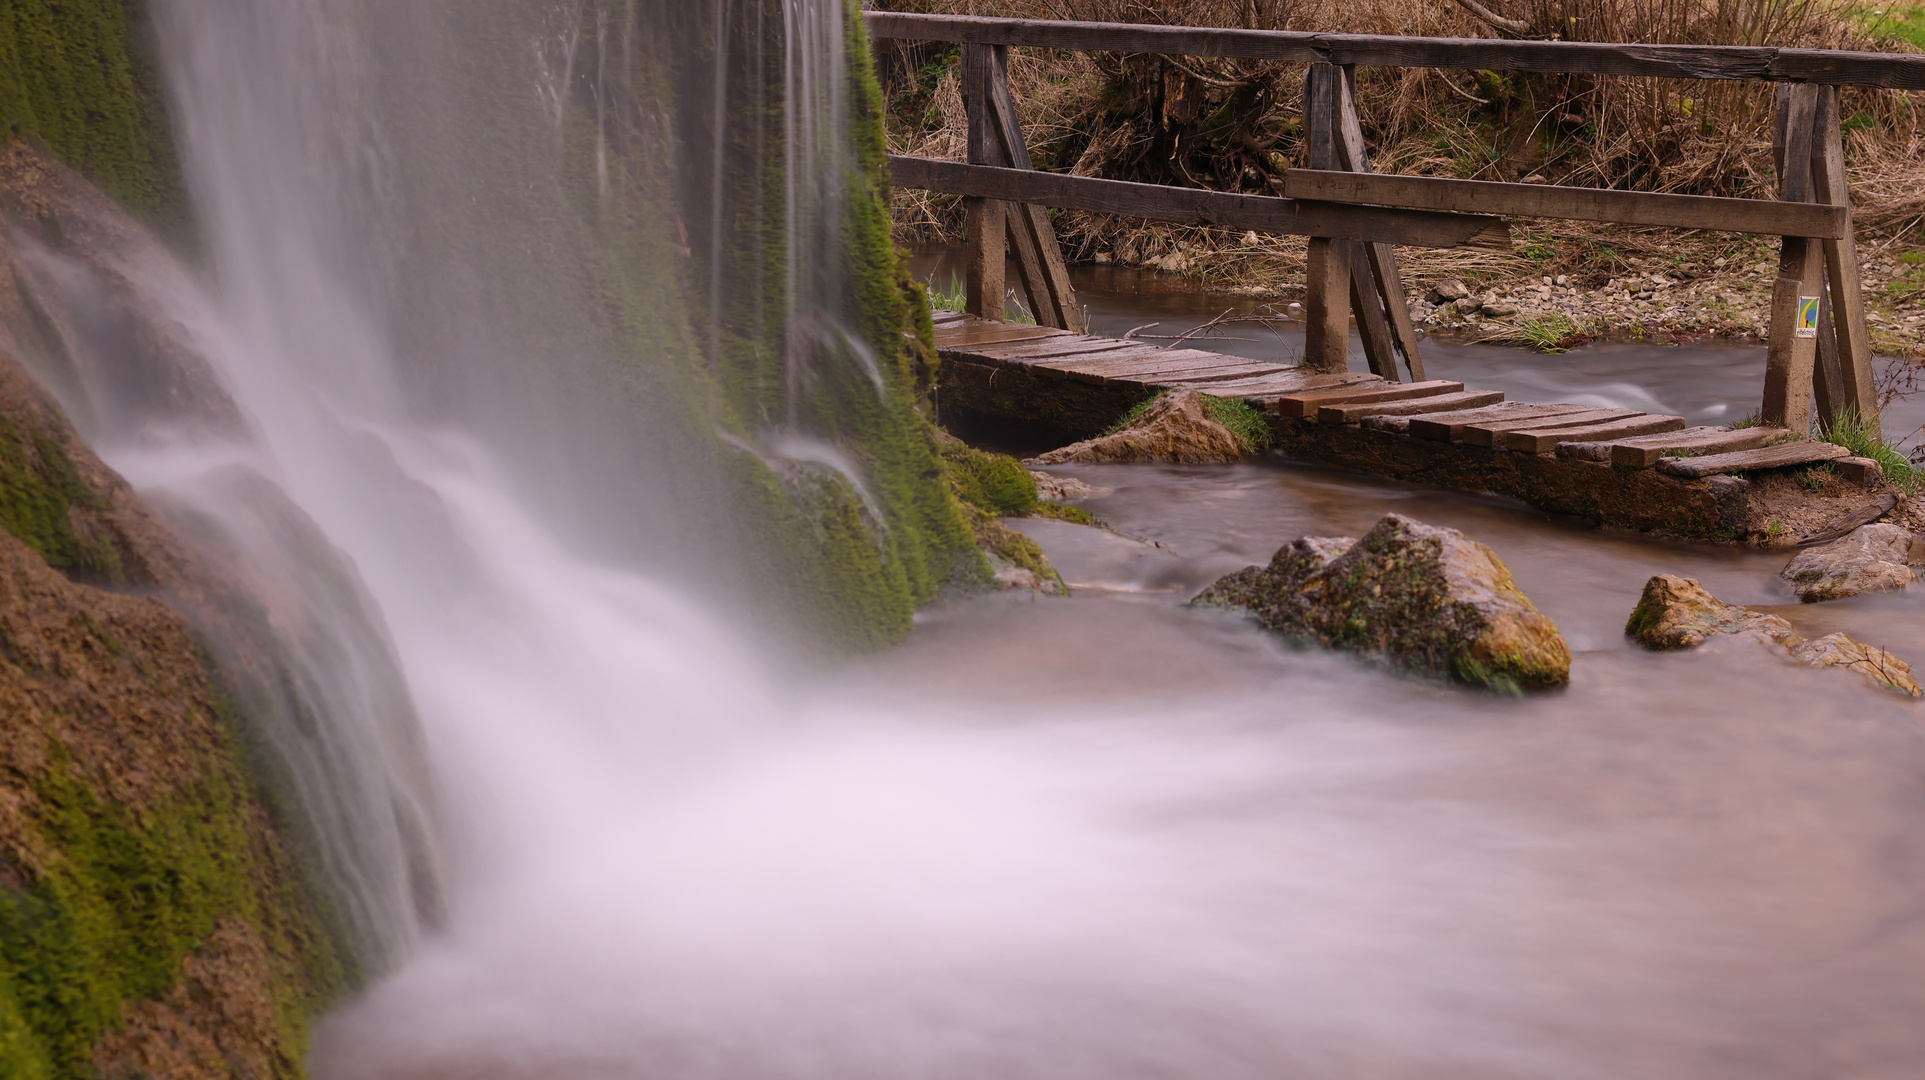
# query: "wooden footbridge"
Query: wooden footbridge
1819,353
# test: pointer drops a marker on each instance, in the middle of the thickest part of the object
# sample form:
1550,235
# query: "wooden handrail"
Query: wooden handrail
1890,70
1194,206
1768,217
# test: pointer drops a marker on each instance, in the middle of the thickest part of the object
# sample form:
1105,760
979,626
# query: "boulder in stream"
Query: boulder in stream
1677,613
1172,429
1871,558
1424,598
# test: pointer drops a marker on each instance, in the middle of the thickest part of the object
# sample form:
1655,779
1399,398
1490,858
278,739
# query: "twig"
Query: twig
1129,334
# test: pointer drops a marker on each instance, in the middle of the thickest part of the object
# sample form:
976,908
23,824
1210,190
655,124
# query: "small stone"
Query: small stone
1879,667
1294,310
1250,239
1469,304
1563,281
1447,290
1871,558
1104,258
1055,488
1859,470
1497,310
1677,613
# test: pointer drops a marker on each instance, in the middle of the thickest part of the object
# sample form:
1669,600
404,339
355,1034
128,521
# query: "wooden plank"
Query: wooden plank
1543,440
1028,353
1039,258
1644,451
1851,336
1890,70
1842,526
1214,378
1449,427
1373,325
1266,388
1192,206
1131,350
1149,370
997,334
983,226
1307,404
1492,433
1327,278
1350,414
1783,455
1354,154
1764,216
946,318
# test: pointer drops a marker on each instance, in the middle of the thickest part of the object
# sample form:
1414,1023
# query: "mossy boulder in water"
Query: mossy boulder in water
1423,598
1678,613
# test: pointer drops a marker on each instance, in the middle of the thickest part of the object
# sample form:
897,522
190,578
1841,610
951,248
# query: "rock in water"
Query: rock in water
1871,558
1677,613
1424,598
1173,429
1875,664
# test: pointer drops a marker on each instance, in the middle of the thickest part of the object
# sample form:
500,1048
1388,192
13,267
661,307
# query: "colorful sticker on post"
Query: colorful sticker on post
1808,316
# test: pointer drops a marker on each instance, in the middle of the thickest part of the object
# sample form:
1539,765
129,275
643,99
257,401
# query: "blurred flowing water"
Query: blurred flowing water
1100,837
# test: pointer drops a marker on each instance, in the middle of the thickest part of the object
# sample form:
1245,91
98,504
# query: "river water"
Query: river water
1111,837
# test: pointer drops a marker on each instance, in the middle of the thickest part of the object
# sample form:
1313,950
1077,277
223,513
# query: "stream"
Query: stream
1112,837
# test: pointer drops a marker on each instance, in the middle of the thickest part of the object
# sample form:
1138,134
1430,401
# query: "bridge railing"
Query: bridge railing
1818,346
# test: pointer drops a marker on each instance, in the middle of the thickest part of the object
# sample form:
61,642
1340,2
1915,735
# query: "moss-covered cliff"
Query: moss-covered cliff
152,921
77,78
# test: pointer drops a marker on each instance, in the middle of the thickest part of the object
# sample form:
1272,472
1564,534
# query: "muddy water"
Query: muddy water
1107,836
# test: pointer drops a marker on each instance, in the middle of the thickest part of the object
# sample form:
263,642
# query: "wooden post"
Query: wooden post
1801,277
1326,345
1382,258
1039,258
982,218
1853,339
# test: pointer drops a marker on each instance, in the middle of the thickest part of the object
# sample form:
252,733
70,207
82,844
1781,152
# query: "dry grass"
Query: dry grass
1235,125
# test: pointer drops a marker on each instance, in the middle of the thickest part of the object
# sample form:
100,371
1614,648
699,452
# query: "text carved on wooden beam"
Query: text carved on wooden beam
1193,206
1890,70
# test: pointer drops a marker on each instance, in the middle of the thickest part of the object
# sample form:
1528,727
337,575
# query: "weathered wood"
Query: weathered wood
1842,526
1262,388
1192,206
1784,455
1852,337
1449,427
1327,274
983,269
1763,216
1039,256
1890,70
1373,325
1492,433
1354,154
1644,451
1351,414
1545,440
1788,356
987,332
1827,380
1307,404
1051,349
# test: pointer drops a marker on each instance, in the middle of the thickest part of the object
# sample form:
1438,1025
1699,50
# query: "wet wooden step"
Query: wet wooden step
1449,427
1545,440
1646,451
964,338
1492,434
1350,414
1261,390
1783,456
1307,404
1051,349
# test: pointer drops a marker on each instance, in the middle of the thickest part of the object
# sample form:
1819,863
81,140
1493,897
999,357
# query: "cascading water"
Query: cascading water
490,280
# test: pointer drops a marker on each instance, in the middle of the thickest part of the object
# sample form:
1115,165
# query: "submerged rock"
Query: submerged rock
1871,558
1677,613
1172,429
1424,598
1053,488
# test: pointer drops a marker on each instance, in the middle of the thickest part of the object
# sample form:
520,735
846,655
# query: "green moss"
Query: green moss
993,483
1075,515
39,494
127,897
78,78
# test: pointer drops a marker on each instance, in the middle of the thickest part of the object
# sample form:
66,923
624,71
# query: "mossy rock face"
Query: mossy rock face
1422,598
78,77
993,483
1677,613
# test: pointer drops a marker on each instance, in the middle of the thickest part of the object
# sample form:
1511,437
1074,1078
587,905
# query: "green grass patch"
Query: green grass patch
1864,438
955,297
1075,515
1136,413
1749,420
1244,420
1549,333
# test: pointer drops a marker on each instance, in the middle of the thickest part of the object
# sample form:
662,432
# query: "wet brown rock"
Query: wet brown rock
1173,429
1424,598
1872,558
1677,613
